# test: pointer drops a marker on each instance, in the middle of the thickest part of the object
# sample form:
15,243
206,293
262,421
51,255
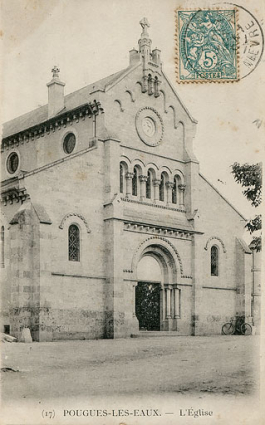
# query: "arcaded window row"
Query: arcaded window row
168,189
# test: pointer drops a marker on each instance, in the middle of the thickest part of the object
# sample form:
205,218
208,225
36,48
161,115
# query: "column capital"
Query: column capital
129,175
181,186
169,185
156,182
143,178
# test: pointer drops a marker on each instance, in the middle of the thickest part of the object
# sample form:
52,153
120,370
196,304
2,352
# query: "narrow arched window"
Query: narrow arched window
121,178
156,87
134,181
214,260
2,246
148,185
74,243
150,84
162,188
174,191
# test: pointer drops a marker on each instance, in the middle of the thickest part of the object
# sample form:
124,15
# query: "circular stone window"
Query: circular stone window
69,143
12,163
149,126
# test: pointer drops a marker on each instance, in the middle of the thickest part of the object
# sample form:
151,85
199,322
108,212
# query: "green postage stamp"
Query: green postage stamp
207,48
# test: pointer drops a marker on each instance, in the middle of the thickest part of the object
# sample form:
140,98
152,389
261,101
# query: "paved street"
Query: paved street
184,365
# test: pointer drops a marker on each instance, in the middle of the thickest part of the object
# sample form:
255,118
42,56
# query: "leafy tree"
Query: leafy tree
250,178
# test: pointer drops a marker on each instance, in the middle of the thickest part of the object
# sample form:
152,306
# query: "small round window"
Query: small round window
12,163
69,143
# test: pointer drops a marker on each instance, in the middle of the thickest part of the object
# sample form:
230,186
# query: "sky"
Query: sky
90,39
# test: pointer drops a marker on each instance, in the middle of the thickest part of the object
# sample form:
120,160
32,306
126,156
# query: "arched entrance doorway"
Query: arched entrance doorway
157,296
147,294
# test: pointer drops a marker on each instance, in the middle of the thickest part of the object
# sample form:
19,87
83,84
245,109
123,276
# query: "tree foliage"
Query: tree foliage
250,178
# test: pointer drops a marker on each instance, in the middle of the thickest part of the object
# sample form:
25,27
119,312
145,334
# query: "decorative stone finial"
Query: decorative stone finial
144,24
55,72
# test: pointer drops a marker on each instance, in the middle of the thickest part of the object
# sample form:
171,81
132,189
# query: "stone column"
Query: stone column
176,302
182,189
162,304
143,180
168,292
129,177
156,184
169,186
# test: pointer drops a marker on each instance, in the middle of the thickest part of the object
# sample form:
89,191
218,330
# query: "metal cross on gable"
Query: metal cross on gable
55,71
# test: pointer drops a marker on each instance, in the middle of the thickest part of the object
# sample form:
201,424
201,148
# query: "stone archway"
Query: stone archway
157,299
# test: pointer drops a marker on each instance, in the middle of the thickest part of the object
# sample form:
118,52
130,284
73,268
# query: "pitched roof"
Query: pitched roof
71,101
222,196
244,246
27,208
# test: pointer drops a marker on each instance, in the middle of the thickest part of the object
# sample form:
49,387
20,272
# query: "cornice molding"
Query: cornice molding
14,194
52,124
132,226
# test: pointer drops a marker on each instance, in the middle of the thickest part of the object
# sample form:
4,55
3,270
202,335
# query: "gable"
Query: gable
127,108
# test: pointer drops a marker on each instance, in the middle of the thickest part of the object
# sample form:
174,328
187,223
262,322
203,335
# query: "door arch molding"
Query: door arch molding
166,254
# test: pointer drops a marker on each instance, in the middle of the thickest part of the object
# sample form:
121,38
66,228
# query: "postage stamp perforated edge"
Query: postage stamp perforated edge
178,55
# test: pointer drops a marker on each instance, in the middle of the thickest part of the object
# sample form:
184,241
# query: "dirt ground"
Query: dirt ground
187,365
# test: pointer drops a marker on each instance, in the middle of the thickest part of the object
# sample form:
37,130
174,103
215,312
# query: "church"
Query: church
108,228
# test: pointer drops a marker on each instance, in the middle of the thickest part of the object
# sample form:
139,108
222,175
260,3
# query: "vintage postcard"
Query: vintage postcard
131,186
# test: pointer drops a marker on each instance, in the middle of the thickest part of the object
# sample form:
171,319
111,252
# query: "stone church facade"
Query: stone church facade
97,180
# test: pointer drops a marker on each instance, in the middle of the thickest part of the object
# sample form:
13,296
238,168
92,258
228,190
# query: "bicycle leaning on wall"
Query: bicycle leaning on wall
237,326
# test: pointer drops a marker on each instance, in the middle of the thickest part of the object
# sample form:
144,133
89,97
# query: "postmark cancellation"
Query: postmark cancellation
207,45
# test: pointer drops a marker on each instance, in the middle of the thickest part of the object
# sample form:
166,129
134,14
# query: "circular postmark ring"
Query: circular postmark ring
149,126
247,40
